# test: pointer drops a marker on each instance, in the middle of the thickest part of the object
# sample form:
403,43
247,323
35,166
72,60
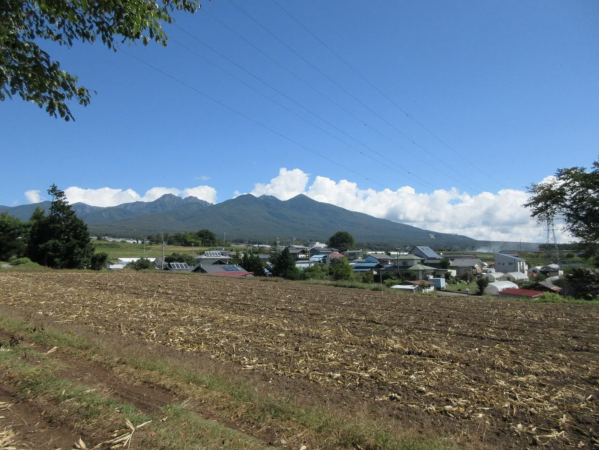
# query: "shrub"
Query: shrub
140,264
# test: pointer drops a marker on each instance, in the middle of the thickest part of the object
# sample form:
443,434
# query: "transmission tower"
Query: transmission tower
551,241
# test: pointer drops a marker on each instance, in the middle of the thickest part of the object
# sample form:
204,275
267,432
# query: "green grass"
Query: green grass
126,250
230,397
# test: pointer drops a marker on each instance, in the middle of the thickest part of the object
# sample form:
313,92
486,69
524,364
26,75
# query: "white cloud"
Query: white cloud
206,193
33,196
156,192
112,197
286,185
485,216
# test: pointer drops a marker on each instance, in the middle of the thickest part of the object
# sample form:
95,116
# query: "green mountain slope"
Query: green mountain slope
265,218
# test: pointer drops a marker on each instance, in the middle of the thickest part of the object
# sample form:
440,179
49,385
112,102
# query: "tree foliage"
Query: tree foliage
342,241
283,264
140,264
482,284
181,257
60,239
316,272
30,72
98,261
13,237
252,263
341,270
207,238
573,195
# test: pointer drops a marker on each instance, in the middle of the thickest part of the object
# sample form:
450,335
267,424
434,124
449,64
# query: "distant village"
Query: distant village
419,270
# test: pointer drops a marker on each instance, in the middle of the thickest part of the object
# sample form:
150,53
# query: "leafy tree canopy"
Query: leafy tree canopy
207,237
341,270
60,240
573,195
342,241
30,72
13,235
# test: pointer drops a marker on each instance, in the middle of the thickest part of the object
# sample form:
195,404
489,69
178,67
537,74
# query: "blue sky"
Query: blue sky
433,113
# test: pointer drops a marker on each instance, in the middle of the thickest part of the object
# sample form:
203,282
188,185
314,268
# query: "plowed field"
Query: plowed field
523,373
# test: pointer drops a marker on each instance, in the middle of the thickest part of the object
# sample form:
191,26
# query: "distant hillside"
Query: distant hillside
257,219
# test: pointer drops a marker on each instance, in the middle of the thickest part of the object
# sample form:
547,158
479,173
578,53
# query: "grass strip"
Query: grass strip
92,411
328,429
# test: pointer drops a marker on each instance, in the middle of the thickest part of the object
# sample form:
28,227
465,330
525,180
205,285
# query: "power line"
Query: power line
415,155
263,125
266,127
417,178
349,93
383,94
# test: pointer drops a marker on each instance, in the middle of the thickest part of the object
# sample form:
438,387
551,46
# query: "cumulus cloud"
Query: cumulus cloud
112,197
486,216
33,196
286,185
206,193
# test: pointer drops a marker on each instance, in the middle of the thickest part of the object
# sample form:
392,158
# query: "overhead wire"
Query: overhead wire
411,117
198,91
266,127
351,95
370,127
416,177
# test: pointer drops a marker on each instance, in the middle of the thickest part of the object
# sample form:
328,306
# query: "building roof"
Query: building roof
380,256
521,293
503,255
549,285
471,262
336,255
409,257
421,283
405,287
226,270
428,252
418,267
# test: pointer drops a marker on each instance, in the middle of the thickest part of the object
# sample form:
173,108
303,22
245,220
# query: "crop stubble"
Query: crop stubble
519,370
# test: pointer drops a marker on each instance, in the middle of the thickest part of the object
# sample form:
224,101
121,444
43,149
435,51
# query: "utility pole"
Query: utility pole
162,263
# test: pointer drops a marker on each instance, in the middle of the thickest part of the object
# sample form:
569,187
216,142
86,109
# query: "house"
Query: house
223,270
299,253
423,285
213,257
368,264
508,263
430,257
331,256
404,262
466,266
178,267
322,251
420,271
498,286
352,255
382,258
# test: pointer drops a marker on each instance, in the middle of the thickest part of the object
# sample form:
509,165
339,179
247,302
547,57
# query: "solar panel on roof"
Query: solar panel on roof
232,268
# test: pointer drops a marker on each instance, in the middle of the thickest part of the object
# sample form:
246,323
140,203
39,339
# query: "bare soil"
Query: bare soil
506,374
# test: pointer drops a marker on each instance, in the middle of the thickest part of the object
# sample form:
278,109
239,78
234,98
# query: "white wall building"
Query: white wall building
507,263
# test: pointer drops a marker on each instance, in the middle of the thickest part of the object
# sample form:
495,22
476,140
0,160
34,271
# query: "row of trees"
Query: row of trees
202,238
59,239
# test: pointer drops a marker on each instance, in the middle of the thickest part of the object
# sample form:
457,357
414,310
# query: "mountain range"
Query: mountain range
257,219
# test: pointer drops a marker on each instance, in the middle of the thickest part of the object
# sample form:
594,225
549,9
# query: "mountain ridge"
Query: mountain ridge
247,217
